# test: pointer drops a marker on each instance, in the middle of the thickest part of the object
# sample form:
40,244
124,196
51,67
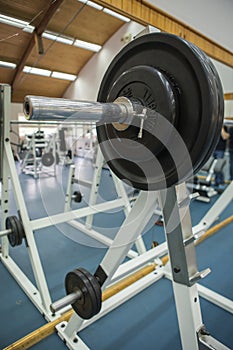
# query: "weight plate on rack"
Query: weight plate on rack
188,106
47,159
17,231
90,302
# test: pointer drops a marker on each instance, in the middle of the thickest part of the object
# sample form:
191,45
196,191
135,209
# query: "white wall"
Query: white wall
213,18
16,108
226,76
86,87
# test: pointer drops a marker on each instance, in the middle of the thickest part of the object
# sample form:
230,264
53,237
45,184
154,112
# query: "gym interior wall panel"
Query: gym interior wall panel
87,84
213,18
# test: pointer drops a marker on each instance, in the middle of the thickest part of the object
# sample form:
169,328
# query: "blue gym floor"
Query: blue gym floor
148,321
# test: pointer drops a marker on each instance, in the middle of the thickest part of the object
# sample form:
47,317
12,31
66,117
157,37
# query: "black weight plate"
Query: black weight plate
90,302
17,232
199,114
218,101
77,196
47,159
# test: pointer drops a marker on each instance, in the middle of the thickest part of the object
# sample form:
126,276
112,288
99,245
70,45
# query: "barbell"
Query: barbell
77,196
159,115
159,111
14,231
83,293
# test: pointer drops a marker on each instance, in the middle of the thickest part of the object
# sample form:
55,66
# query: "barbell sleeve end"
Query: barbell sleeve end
5,232
65,301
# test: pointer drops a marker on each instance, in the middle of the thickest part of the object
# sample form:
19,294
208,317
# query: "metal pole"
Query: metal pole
44,108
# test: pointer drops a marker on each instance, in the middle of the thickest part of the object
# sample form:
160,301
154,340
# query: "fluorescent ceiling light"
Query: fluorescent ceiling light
64,76
57,37
7,64
96,6
87,46
38,71
28,29
17,23
92,4
117,15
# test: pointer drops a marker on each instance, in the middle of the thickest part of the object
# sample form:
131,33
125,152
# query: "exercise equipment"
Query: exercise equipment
203,184
47,159
77,196
43,332
178,125
159,116
171,113
14,231
176,79
84,293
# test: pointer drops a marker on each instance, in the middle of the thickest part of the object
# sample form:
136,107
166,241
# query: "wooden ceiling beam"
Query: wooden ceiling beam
147,14
36,35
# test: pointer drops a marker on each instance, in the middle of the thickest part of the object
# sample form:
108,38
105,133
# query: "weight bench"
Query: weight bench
203,185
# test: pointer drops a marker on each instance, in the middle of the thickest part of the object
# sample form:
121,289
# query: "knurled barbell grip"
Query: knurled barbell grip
5,232
65,301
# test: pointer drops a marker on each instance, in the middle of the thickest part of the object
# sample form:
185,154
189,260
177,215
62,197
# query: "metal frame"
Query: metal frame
87,228
39,294
182,269
178,232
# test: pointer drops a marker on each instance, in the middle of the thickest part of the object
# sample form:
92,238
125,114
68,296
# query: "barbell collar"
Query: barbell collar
65,301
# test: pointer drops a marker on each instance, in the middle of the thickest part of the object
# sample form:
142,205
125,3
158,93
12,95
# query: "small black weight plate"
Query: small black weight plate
17,231
90,302
196,90
47,159
77,196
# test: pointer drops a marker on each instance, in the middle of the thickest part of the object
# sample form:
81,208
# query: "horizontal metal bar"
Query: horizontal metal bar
76,214
4,233
139,261
215,298
98,236
45,108
65,301
49,123
82,182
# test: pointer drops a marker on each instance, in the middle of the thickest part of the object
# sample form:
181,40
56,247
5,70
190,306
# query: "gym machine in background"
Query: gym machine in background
159,116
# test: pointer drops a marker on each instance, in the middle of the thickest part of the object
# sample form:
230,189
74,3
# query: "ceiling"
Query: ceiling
71,18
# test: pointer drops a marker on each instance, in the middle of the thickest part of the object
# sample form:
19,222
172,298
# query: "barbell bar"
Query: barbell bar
65,301
59,109
5,232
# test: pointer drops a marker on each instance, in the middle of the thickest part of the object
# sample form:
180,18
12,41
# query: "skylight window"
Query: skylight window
17,23
92,4
59,38
38,71
87,46
5,64
117,15
65,76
